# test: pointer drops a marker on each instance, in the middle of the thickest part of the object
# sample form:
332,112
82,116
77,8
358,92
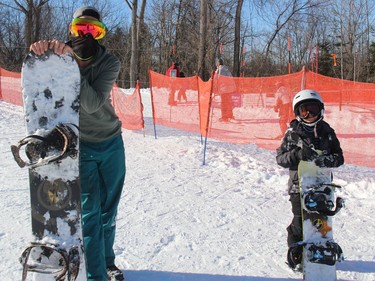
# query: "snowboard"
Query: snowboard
50,150
319,204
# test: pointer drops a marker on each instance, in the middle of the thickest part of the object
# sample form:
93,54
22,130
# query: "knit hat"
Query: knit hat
87,11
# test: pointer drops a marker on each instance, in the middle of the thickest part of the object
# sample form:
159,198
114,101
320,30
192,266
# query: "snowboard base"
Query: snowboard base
51,88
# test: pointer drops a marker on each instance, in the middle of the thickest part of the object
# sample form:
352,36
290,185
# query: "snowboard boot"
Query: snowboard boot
294,257
114,273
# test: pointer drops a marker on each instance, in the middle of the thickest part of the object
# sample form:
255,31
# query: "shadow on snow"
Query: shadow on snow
148,275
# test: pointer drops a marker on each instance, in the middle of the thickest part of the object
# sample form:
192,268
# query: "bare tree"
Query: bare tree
237,38
32,11
198,31
12,48
141,38
202,38
134,48
285,13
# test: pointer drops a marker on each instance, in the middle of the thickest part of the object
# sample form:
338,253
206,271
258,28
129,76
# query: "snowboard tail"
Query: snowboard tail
51,260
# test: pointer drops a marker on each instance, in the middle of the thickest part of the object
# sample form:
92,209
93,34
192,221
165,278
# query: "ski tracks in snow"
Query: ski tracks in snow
199,214
179,220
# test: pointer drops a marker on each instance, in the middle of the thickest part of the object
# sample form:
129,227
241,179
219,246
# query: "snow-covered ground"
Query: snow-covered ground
181,221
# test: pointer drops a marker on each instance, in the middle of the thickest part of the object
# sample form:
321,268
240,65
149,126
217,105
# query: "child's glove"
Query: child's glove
327,161
306,153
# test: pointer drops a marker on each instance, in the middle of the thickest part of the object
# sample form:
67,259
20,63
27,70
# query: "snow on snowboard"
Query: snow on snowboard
50,87
319,204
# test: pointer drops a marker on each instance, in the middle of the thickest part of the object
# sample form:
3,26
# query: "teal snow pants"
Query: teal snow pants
102,173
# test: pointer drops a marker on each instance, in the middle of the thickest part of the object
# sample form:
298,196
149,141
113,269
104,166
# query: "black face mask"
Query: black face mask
85,47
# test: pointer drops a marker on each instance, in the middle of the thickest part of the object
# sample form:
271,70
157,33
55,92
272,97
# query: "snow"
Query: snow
181,221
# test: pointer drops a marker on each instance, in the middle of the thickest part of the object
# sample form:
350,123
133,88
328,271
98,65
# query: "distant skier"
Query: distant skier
225,88
307,133
173,71
283,105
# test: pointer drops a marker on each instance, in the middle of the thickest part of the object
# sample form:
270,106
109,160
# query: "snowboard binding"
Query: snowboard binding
325,254
328,254
318,199
51,260
53,146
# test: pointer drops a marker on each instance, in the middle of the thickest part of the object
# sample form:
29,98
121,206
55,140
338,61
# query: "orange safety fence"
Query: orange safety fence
193,105
349,109
10,87
129,107
342,92
175,101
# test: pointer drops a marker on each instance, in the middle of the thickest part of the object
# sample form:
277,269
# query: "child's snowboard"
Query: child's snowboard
319,205
51,86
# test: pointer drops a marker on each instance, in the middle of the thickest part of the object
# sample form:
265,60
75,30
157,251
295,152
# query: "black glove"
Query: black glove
327,161
306,153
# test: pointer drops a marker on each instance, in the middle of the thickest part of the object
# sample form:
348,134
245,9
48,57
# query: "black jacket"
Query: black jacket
321,137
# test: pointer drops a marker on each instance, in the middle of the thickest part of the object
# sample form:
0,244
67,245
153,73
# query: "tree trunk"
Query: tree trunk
202,39
134,50
237,37
140,37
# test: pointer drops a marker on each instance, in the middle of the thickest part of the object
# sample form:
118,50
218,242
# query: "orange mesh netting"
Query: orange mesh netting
10,87
242,110
129,108
175,101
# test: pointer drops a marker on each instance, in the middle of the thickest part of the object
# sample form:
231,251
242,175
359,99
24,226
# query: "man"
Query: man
102,155
225,88
173,71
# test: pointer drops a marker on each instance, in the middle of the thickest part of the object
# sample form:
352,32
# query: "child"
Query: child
283,105
307,133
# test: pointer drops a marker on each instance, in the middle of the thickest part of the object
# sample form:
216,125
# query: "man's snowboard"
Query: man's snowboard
319,205
51,86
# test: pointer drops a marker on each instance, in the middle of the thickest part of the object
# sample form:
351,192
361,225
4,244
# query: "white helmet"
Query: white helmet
308,96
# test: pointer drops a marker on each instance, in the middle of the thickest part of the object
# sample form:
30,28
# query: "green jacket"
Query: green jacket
98,120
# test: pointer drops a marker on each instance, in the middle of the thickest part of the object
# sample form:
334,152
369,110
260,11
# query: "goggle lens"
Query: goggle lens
309,110
82,26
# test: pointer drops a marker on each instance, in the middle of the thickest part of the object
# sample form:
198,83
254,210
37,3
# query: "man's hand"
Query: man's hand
58,47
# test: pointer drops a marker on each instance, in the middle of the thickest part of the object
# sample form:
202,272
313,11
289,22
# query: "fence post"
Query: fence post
1,90
303,80
152,101
208,117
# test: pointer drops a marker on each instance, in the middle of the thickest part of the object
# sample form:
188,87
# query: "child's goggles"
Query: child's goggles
309,110
82,26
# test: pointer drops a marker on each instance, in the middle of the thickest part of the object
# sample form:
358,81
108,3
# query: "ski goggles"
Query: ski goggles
82,26
309,110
